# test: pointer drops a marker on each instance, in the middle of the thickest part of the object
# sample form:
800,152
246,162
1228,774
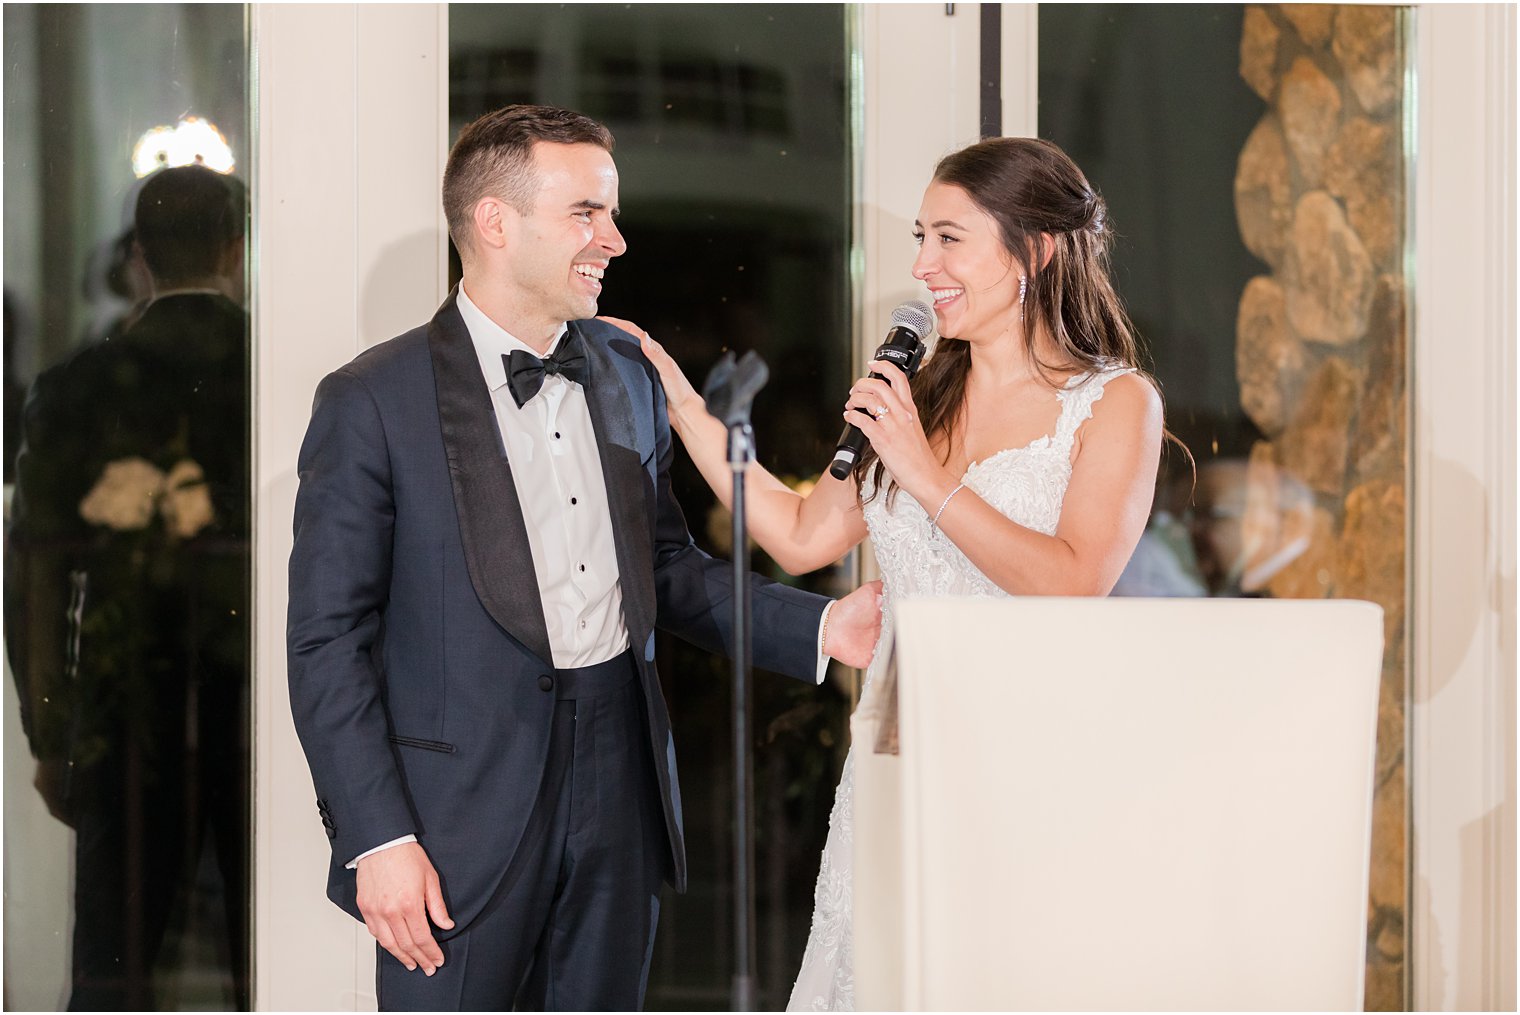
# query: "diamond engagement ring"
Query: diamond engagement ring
881,410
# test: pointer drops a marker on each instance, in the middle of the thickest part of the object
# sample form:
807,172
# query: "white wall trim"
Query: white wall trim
352,107
920,101
1462,716
918,71
1020,67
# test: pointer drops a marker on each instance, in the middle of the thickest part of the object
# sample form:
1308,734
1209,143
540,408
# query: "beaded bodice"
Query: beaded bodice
1026,484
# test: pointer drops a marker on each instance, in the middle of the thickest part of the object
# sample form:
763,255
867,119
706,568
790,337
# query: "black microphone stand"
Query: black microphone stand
729,391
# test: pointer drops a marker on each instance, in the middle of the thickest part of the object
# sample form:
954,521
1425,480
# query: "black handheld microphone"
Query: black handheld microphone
904,348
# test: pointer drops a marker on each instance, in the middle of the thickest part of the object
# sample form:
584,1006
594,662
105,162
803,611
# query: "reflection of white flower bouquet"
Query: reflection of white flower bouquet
131,491
186,505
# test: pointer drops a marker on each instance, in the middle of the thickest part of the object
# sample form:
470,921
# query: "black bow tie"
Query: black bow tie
525,371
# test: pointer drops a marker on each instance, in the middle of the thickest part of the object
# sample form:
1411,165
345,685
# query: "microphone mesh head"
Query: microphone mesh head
915,316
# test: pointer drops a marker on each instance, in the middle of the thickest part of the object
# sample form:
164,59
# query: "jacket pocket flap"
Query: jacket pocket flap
426,745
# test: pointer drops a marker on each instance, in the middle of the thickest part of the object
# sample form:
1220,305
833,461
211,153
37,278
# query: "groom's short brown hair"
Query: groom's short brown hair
493,157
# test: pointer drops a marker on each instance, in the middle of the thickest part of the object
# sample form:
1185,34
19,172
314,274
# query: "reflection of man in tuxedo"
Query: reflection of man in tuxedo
127,594
484,543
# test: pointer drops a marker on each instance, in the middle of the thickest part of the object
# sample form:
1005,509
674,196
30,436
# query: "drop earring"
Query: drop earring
1023,291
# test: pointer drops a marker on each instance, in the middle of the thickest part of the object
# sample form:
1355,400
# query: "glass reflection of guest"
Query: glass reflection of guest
1250,519
1164,563
118,283
15,388
1228,533
127,598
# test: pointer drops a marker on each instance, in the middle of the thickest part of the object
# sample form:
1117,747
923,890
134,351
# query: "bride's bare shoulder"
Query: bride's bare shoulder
1129,399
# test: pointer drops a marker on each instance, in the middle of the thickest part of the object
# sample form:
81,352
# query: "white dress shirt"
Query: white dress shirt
557,472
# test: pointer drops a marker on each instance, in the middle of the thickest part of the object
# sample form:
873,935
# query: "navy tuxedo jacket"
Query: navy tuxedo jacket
416,637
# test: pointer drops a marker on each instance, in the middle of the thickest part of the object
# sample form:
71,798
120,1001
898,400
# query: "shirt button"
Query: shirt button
573,500
546,683
556,435
583,567
583,625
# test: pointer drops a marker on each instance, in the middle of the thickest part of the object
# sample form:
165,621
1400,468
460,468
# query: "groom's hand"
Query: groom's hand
398,889
854,624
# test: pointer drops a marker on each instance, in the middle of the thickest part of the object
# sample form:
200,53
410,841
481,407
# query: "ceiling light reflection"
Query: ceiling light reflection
192,141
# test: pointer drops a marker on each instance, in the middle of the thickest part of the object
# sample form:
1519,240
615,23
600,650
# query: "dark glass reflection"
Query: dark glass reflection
1253,159
734,167
127,570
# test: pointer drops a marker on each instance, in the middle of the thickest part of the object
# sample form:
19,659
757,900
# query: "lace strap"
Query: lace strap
1078,400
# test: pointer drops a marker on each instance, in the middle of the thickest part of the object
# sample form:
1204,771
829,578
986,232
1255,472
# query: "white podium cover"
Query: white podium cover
1119,804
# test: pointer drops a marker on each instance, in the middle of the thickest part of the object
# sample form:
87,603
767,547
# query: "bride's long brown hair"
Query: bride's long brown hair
1030,188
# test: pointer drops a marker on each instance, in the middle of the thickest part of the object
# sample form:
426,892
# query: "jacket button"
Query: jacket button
546,683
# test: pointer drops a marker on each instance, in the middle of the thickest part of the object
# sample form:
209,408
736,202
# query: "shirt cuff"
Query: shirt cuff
823,660
354,863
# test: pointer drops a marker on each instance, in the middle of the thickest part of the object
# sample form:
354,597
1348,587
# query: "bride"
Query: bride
1021,460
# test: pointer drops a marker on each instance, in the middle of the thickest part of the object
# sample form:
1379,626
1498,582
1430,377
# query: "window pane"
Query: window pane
1254,162
734,167
127,579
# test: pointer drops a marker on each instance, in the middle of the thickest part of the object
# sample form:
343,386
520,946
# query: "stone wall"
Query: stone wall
1321,344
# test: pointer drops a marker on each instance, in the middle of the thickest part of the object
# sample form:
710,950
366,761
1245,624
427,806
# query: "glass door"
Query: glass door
127,462
734,156
1256,166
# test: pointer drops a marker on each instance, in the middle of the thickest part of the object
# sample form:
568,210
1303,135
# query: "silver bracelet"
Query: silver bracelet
934,522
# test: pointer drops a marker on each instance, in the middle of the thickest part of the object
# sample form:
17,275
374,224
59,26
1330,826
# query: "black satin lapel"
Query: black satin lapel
490,517
628,488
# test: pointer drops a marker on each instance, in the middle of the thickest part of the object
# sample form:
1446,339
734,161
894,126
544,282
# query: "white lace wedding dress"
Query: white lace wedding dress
1025,484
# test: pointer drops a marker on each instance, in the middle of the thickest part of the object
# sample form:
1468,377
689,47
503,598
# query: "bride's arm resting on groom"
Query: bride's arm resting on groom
801,534
1114,462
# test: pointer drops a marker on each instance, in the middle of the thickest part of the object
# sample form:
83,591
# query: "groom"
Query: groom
485,540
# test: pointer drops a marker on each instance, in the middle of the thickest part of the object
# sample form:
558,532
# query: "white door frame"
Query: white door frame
1461,735
352,104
